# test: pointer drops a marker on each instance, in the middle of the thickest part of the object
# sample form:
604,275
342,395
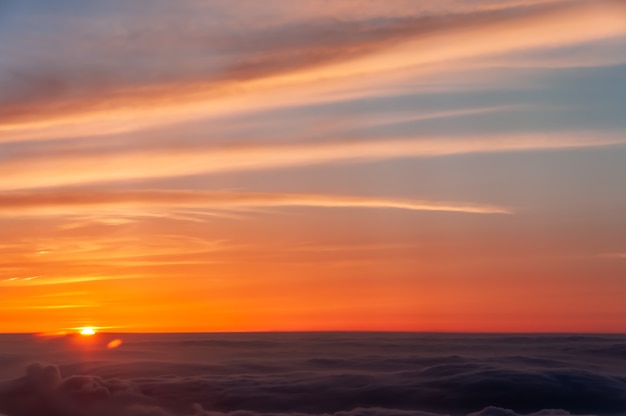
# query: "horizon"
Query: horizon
77,332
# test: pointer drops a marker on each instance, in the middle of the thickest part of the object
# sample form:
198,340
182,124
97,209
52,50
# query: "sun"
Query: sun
88,331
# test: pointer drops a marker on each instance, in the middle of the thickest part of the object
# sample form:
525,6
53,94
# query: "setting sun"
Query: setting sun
87,331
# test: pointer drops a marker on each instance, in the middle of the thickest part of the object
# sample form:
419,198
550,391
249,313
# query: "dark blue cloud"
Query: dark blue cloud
320,374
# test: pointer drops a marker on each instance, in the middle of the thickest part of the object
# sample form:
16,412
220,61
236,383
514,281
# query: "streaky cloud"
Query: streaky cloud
55,201
44,94
46,170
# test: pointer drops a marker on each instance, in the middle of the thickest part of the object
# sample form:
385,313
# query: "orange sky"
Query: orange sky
325,166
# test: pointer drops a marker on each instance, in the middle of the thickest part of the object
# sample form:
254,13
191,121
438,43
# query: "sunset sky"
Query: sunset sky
450,165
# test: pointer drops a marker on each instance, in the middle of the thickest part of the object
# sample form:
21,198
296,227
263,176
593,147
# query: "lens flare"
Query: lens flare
114,344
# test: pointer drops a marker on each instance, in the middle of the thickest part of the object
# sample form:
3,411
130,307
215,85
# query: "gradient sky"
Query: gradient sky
223,165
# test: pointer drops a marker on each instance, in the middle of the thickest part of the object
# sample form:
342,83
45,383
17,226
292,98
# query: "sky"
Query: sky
395,165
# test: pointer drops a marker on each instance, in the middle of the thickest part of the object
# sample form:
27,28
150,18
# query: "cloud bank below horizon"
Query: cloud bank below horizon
324,374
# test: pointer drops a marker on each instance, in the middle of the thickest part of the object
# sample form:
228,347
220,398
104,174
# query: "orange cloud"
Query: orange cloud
95,166
55,201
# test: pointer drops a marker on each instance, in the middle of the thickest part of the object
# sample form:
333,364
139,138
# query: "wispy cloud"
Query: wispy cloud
58,280
70,201
269,59
68,306
613,256
89,167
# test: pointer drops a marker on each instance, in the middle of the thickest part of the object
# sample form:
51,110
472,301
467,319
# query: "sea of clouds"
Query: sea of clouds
289,374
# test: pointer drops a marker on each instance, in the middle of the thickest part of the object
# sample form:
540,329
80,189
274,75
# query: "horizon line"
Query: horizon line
67,333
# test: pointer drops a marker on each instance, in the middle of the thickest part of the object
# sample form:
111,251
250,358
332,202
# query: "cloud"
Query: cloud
68,201
45,391
82,166
613,255
161,70
321,374
496,411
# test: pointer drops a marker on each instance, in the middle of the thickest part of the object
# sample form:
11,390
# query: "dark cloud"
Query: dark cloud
321,374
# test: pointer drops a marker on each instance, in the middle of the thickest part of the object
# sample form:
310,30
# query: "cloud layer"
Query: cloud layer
324,374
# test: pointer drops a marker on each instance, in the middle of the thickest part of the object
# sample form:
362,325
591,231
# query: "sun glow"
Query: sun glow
88,331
